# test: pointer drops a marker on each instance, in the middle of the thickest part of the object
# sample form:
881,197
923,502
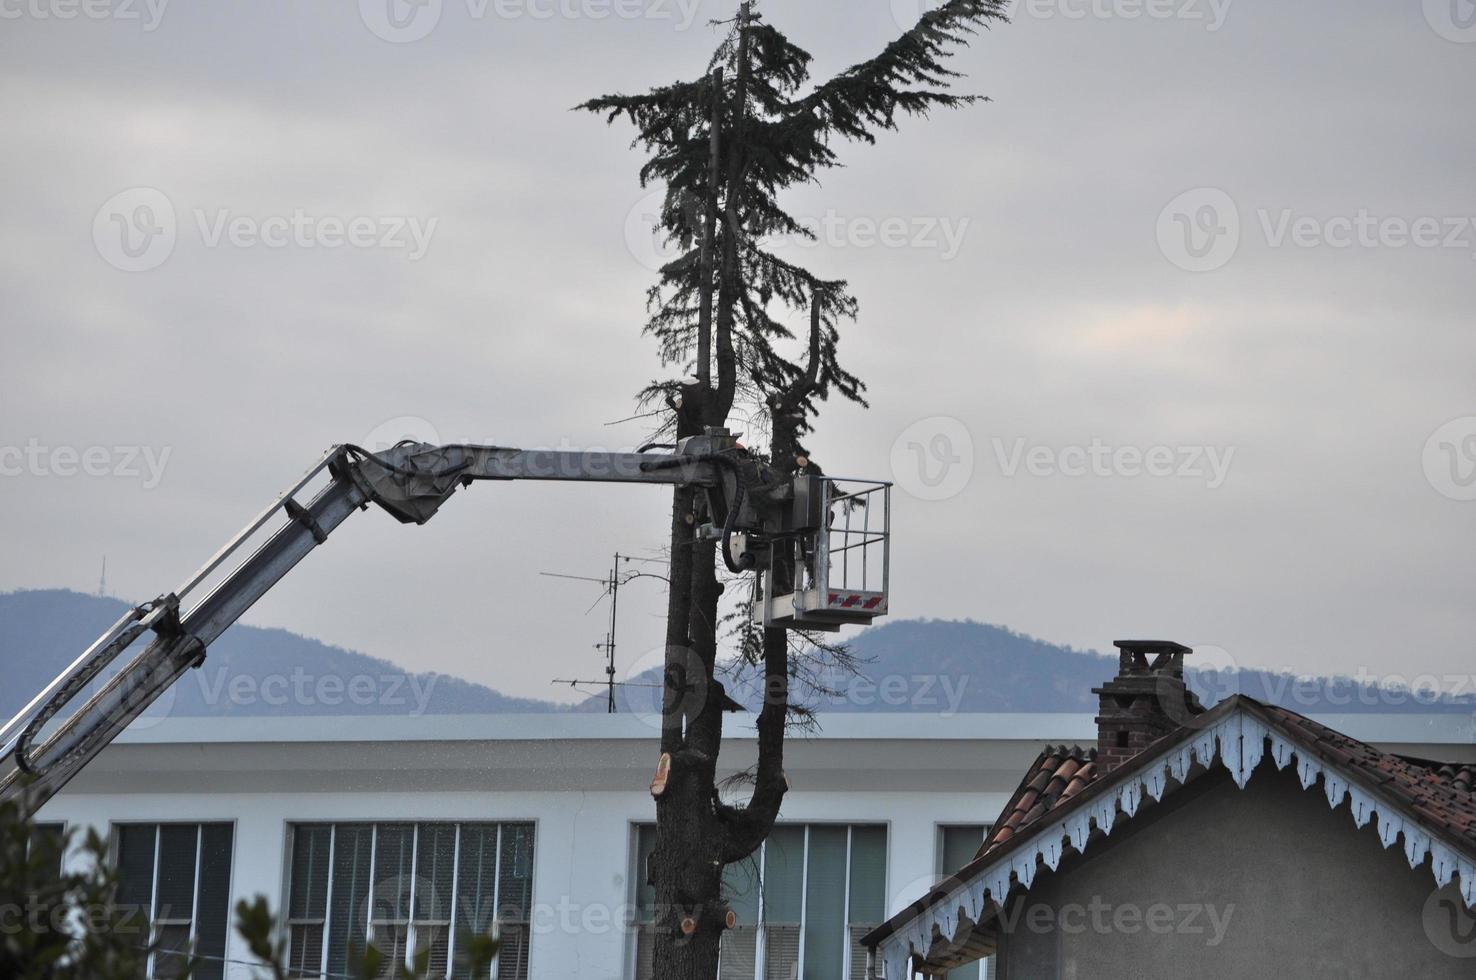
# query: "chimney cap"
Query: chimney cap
1151,646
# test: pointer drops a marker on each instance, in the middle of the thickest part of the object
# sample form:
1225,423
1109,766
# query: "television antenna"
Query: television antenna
612,583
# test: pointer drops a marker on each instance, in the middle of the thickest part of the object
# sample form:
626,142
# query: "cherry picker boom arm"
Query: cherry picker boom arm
757,512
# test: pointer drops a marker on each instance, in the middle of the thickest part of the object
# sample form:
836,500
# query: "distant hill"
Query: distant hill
952,667
921,666
249,671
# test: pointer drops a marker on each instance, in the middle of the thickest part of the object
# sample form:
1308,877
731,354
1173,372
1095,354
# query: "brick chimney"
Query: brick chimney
1145,701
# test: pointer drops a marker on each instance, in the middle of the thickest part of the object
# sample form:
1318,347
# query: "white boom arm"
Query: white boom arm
750,505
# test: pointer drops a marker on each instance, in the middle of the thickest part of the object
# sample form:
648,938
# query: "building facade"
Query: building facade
411,831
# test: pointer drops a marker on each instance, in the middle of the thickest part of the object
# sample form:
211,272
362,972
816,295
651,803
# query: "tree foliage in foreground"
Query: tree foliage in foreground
62,925
58,924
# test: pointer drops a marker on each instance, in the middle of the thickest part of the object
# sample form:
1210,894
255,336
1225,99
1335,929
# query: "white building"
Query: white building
416,828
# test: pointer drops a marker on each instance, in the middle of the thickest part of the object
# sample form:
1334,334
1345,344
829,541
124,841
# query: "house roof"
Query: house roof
1057,775
1067,784
1440,793
1459,776
1437,794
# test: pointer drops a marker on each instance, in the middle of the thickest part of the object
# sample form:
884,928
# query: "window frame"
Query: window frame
986,966
940,829
58,829
761,924
199,824
412,923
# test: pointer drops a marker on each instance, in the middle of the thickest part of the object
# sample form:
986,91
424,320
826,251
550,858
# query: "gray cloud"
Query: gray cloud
1059,321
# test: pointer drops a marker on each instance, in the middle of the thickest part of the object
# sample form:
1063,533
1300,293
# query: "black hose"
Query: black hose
721,459
745,561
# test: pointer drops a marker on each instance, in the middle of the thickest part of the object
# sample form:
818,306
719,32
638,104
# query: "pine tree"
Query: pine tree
726,146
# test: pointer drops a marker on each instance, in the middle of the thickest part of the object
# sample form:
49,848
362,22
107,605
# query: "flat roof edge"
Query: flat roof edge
1437,729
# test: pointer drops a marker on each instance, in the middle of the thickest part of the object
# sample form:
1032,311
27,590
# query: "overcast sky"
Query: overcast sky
1173,338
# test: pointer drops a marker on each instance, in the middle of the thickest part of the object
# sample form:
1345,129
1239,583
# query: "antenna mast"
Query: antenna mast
612,586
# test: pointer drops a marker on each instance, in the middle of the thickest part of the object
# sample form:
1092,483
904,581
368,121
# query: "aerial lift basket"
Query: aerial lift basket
840,571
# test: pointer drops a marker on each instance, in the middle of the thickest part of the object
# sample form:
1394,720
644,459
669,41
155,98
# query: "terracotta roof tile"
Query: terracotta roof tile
1058,774
1441,794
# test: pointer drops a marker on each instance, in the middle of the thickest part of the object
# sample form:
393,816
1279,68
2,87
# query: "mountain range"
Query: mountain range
922,666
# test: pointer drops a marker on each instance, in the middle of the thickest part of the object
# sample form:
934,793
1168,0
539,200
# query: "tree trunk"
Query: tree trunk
687,861
682,869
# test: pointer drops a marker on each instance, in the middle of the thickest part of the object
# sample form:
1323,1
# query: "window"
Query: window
956,847
802,902
52,837
179,876
408,887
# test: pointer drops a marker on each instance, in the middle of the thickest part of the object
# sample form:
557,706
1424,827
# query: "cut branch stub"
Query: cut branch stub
663,773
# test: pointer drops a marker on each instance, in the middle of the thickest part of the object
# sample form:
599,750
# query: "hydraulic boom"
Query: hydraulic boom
762,517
